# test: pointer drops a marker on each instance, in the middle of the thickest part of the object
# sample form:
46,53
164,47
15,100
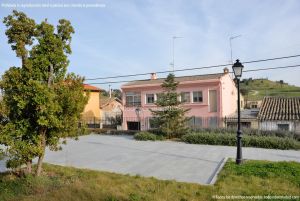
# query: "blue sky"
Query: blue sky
126,37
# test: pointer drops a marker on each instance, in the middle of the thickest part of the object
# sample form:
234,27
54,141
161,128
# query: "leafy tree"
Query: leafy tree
170,116
117,93
42,101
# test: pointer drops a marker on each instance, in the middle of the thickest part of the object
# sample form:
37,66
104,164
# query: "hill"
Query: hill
256,89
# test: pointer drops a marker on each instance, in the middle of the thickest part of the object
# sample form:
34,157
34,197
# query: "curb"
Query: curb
212,180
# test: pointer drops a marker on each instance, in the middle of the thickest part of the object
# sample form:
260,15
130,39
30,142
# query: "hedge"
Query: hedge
269,142
144,136
111,131
250,131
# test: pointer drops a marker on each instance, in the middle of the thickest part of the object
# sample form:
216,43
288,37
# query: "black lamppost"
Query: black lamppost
138,112
238,69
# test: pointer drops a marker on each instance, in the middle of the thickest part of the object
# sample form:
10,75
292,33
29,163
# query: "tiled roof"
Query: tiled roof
91,88
280,108
105,100
177,79
246,114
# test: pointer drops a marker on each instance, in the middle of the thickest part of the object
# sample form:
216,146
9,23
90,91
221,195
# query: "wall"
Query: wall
272,125
229,96
112,109
196,109
92,108
297,127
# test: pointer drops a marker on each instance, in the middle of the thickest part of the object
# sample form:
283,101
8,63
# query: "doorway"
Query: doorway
133,125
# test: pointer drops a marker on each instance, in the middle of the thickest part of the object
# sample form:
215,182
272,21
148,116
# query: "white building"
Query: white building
280,113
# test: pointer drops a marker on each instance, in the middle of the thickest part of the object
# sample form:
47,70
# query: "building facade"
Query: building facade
280,113
111,110
91,113
209,98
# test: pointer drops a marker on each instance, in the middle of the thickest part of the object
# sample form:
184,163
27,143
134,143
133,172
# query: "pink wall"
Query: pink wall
229,96
226,101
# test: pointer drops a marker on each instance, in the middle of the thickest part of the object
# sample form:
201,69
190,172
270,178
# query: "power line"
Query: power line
197,68
246,71
272,68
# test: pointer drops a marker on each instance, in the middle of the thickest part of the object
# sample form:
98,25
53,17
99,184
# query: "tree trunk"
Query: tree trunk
29,167
43,131
41,156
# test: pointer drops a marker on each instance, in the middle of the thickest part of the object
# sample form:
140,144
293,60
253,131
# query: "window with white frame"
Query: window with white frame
185,97
133,99
197,96
149,98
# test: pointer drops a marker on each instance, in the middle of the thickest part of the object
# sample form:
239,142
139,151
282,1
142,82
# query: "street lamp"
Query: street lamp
138,112
237,70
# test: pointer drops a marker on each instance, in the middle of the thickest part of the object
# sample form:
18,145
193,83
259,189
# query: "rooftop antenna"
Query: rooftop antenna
173,50
109,91
230,43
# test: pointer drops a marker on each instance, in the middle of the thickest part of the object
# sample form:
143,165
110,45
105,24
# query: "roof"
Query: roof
246,114
280,108
88,87
177,79
106,100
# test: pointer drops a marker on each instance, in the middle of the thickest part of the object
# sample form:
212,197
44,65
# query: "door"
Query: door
213,101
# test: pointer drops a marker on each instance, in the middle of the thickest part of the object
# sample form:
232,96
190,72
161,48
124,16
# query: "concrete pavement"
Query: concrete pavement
160,159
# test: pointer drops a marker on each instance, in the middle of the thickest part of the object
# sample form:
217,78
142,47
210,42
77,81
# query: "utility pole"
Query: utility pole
230,43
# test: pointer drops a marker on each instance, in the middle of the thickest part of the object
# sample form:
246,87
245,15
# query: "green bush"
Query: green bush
228,139
144,136
250,131
111,131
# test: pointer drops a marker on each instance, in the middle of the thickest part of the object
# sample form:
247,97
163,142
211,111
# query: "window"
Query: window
185,97
149,98
283,127
213,122
133,99
213,106
197,96
195,122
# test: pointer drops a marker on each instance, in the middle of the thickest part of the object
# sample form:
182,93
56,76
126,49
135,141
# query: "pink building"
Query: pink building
209,97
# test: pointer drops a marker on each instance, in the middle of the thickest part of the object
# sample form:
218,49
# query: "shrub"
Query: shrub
111,131
250,131
144,136
269,142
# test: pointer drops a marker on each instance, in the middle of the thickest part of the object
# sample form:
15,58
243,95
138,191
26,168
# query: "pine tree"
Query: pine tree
170,116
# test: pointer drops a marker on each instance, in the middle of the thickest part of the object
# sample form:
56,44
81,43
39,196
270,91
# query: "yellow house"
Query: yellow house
91,111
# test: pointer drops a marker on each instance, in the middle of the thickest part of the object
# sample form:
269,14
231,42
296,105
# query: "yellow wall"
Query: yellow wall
92,108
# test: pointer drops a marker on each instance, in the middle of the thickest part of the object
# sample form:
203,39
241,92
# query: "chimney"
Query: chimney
153,76
226,70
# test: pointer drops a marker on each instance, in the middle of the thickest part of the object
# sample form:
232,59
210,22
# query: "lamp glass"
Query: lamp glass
137,111
237,69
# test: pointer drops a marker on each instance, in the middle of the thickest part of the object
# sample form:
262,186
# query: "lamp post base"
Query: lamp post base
239,161
239,157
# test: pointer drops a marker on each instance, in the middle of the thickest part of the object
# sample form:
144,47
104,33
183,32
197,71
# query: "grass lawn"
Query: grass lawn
260,88
65,183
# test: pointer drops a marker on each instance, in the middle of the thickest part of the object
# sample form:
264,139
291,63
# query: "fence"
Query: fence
195,123
107,122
